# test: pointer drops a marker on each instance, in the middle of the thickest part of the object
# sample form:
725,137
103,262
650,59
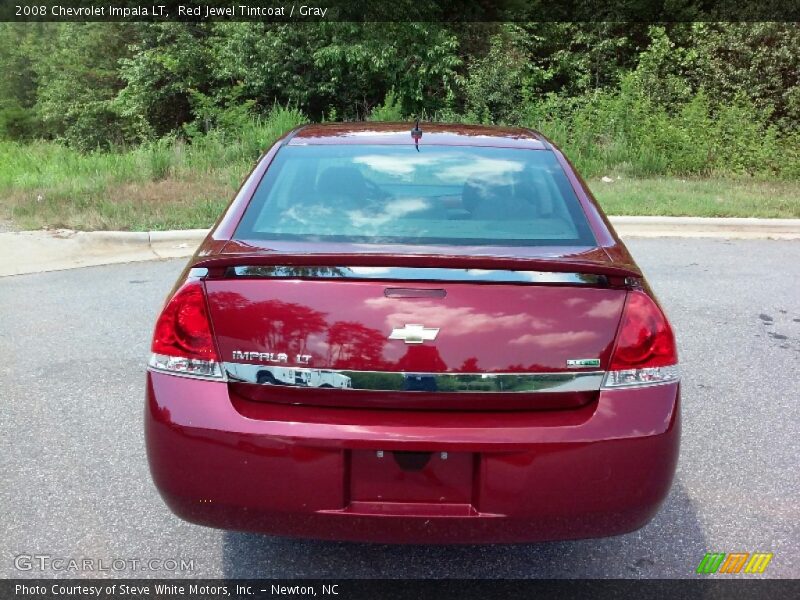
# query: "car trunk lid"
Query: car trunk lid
414,337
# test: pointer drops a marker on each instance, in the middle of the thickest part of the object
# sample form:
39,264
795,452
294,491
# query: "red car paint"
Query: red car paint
344,326
339,464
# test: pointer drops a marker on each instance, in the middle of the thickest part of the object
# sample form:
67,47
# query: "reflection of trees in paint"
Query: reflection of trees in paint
278,326
287,326
355,346
470,365
421,359
377,381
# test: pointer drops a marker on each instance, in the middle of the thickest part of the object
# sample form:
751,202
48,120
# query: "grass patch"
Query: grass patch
676,197
151,205
115,200
165,185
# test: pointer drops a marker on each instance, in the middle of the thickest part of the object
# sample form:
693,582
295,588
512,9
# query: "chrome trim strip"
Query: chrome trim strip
399,381
414,274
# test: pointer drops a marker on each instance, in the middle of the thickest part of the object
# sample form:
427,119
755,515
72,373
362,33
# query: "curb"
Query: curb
38,251
626,226
175,243
709,227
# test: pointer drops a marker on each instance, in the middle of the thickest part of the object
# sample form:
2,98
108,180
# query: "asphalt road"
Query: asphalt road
74,481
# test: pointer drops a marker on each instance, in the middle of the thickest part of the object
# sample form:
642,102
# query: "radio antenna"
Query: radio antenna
416,133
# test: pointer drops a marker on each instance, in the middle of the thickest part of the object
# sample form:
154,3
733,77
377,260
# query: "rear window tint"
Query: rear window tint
396,194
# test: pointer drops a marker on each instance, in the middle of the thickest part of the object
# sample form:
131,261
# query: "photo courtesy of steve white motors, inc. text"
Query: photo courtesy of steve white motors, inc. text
170,589
162,11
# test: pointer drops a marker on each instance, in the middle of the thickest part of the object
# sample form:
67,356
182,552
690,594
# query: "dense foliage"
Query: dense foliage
681,98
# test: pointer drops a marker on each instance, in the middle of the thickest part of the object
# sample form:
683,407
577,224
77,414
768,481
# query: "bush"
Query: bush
390,110
240,140
18,123
625,131
161,155
496,83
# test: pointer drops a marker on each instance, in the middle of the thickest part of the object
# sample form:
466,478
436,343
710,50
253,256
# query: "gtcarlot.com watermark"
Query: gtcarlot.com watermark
47,563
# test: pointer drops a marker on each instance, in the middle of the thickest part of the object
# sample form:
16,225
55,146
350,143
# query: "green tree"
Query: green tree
168,64
78,82
347,67
20,46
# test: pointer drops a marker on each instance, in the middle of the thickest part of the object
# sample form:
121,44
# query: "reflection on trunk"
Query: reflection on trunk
355,345
346,325
284,326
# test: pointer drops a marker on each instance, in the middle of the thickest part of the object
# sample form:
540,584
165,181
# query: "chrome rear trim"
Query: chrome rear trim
399,381
414,274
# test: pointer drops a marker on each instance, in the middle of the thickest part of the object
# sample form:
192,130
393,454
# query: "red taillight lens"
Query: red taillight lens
645,353
183,329
645,338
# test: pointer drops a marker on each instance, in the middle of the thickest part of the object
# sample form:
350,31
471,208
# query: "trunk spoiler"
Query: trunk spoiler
219,264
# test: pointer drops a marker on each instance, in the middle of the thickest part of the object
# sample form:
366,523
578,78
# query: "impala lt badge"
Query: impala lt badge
270,357
414,334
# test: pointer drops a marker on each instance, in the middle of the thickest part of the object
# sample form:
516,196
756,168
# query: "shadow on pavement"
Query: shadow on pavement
670,546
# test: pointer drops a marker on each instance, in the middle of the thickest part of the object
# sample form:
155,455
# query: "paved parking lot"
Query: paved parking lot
74,481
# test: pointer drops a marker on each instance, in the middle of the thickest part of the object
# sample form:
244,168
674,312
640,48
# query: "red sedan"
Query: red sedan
413,335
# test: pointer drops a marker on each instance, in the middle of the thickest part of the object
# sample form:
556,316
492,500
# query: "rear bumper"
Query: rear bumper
600,470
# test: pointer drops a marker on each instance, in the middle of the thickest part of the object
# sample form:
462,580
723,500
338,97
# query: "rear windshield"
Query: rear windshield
398,195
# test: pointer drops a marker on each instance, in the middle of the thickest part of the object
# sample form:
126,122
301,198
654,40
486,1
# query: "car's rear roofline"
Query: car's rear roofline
433,134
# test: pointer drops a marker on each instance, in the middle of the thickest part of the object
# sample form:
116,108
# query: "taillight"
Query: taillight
182,341
645,353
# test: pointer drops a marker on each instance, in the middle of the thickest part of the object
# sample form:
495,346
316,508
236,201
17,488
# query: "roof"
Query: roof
442,134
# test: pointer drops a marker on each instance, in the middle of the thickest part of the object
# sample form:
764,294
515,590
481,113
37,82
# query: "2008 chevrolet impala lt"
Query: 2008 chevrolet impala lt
406,333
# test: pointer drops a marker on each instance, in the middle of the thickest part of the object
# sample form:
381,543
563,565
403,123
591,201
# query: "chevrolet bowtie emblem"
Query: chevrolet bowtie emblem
414,334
